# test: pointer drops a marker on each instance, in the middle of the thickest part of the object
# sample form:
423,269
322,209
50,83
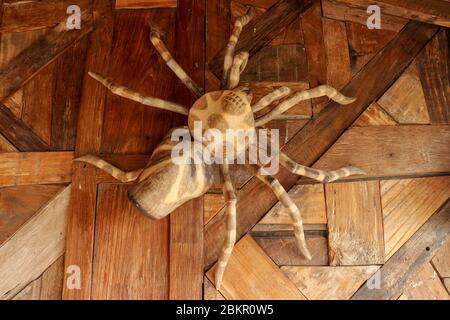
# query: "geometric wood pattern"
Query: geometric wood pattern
397,131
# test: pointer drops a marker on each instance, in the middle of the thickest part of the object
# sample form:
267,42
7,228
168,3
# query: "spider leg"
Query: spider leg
271,97
172,64
287,202
239,62
109,168
320,91
230,198
229,53
316,174
136,96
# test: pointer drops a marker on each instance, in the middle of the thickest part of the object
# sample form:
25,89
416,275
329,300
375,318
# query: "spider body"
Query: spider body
166,183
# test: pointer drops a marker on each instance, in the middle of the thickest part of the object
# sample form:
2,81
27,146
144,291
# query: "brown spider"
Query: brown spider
164,184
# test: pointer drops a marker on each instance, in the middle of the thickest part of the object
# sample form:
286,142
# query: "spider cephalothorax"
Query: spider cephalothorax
166,182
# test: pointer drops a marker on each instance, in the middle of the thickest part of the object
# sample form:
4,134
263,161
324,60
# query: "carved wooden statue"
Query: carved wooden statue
164,185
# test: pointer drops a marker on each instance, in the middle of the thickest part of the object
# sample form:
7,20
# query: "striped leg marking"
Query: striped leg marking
316,174
230,239
320,91
287,202
118,174
229,53
172,64
268,99
239,62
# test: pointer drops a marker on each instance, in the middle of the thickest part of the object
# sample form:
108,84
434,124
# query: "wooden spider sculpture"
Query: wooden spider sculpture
163,185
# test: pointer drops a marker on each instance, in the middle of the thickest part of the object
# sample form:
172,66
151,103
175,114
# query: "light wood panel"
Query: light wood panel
250,274
441,262
355,223
325,283
374,116
32,249
407,205
426,285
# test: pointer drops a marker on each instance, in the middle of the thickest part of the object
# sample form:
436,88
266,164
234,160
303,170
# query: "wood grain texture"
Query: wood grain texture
317,136
80,231
312,28
131,247
69,71
441,262
210,292
339,70
268,25
22,168
355,223
310,200
18,134
52,281
282,248
250,274
430,11
18,204
325,283
374,116
44,50
419,198
405,100
392,151
337,11
5,145
212,203
426,285
31,292
20,16
145,4
433,65
400,269
32,249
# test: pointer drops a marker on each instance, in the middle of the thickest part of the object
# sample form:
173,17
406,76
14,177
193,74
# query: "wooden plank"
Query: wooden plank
315,51
426,285
145,4
441,262
5,145
329,283
355,223
131,251
32,249
268,25
420,198
430,11
210,292
129,127
283,249
47,48
392,151
337,11
31,292
317,136
286,62
433,65
339,70
69,71
20,16
21,168
218,25
80,231
250,274
405,100
310,200
37,103
363,43
18,204
374,116
212,204
52,281
22,137
401,268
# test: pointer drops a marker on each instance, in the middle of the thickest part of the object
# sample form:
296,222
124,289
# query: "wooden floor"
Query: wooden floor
68,231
